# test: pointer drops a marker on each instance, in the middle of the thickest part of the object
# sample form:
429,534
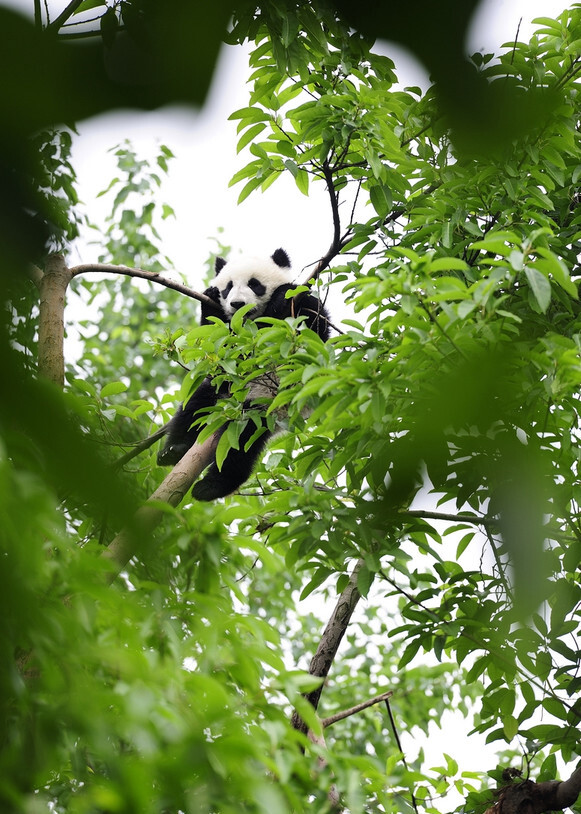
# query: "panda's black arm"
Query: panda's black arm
304,304
181,435
211,310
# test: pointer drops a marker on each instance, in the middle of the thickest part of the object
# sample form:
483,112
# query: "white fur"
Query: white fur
239,272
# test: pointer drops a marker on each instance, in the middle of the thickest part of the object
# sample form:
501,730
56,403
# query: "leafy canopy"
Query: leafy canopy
439,450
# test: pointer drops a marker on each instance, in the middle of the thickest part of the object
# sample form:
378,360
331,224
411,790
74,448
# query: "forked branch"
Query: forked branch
337,241
65,14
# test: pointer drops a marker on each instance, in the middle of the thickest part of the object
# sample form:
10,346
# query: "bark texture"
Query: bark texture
536,798
51,327
331,639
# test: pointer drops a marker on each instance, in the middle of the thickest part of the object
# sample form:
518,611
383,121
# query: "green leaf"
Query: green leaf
553,25
230,439
510,726
449,264
541,197
540,287
307,713
248,188
249,135
365,579
552,265
252,114
381,199
292,167
548,770
319,576
464,543
87,5
302,181
447,234
113,388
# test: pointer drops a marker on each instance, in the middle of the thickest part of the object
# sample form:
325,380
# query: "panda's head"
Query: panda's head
250,281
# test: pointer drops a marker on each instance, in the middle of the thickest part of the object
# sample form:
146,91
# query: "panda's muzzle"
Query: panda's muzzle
237,304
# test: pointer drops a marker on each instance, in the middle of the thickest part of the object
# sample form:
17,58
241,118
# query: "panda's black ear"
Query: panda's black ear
281,259
219,264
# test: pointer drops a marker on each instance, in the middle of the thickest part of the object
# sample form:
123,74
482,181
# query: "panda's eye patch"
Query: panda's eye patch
256,286
227,290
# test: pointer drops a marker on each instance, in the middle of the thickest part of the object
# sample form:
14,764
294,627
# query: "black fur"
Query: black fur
219,265
238,464
281,259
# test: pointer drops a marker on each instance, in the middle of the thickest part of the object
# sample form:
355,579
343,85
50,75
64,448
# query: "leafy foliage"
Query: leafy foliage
434,440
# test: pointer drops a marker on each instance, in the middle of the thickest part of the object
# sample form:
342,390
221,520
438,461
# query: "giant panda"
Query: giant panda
262,283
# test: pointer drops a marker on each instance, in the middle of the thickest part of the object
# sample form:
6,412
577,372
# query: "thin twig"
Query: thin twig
324,319
476,520
499,565
442,330
356,199
398,742
141,446
339,716
515,42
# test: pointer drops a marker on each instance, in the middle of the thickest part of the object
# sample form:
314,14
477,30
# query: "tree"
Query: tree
152,659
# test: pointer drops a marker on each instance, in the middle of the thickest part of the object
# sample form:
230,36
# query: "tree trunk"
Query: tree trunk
51,329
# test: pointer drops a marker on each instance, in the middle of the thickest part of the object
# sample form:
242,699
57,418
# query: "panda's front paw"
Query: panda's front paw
171,454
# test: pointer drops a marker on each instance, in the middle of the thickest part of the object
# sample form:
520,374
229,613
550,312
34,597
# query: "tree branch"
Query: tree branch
334,205
476,520
333,793
172,490
64,15
152,276
399,746
141,446
337,242
339,716
322,661
53,285
568,791
536,798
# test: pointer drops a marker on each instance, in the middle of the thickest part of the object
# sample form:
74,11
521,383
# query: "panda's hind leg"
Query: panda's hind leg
181,435
236,468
